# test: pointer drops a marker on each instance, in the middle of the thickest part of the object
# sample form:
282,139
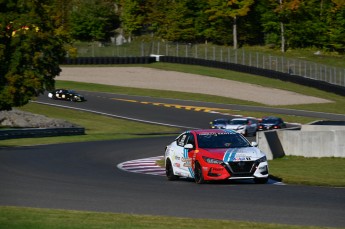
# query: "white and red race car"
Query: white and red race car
215,154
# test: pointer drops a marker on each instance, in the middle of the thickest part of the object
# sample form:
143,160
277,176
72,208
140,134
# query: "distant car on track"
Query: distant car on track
220,123
64,94
271,123
245,126
215,154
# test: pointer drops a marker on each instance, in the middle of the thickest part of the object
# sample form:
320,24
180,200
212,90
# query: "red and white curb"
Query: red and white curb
149,166
145,166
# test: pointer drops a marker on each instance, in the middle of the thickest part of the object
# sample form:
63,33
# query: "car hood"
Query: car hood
218,125
233,127
235,154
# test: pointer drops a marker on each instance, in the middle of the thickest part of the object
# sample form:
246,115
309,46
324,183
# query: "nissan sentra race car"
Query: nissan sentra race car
214,154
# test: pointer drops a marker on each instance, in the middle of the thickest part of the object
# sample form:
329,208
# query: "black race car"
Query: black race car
271,123
64,94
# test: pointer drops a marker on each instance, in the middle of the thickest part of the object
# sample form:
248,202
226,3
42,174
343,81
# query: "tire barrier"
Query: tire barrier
109,60
39,132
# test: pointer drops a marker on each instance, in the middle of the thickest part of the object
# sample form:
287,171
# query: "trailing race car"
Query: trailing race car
220,123
245,126
271,123
64,94
215,154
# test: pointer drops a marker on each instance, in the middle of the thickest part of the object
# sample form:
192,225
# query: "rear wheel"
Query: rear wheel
169,171
199,178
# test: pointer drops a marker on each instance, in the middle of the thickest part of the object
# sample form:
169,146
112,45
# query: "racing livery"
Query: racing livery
214,154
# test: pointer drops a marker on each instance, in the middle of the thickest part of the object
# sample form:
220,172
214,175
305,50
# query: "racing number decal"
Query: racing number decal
188,162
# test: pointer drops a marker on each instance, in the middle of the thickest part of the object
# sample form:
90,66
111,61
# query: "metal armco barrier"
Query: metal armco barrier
39,132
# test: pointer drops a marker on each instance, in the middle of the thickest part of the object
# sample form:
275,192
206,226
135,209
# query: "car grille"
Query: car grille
241,167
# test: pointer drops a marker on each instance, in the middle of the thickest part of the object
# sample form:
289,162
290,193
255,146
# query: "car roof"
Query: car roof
212,131
239,119
270,117
221,119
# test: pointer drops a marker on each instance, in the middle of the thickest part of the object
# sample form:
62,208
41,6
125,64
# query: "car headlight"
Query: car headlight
212,160
263,159
240,127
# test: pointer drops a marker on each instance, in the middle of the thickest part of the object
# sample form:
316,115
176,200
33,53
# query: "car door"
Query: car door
182,160
253,125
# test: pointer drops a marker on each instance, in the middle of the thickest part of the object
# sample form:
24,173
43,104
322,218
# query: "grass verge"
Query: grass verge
326,171
19,217
97,127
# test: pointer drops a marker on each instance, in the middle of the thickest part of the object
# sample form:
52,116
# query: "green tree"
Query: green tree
335,25
179,22
175,20
229,9
30,51
132,17
93,19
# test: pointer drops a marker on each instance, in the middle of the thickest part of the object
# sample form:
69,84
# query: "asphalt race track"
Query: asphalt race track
84,176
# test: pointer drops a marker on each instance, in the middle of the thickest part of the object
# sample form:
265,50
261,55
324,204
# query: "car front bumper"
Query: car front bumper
233,170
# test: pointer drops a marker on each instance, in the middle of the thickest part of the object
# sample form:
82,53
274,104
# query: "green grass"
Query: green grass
33,218
97,127
324,171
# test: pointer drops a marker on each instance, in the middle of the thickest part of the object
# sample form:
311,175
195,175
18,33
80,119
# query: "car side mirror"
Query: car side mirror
254,144
189,146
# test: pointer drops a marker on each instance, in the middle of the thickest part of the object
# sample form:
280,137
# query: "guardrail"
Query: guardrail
39,132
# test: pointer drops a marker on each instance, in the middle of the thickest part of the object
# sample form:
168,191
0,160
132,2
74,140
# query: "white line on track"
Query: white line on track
115,116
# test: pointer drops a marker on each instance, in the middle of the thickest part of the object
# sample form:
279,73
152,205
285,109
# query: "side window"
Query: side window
181,140
190,139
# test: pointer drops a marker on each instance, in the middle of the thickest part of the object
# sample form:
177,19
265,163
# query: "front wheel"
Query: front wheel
199,178
169,171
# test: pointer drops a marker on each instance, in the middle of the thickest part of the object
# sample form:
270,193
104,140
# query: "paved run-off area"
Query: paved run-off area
144,77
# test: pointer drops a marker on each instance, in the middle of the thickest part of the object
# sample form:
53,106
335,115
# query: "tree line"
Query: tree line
34,35
280,23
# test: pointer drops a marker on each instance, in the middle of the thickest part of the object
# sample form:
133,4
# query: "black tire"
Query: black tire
169,171
198,177
261,180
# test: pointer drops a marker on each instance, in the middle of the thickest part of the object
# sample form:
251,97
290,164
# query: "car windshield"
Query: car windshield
238,122
219,122
222,140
